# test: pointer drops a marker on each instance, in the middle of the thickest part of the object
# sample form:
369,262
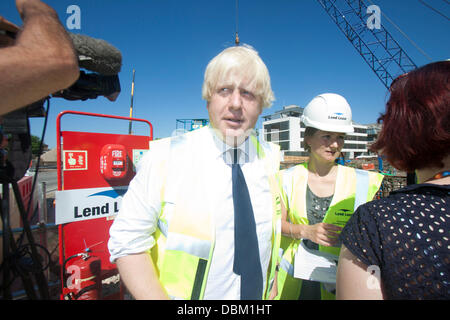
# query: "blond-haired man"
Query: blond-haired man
177,235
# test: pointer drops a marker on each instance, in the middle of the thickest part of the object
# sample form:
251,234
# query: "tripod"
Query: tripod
10,248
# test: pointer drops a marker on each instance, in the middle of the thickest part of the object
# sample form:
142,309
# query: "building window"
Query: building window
284,135
277,136
355,138
284,145
360,130
279,126
355,146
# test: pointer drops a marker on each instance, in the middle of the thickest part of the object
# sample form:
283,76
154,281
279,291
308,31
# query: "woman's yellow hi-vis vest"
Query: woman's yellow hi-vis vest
353,187
185,234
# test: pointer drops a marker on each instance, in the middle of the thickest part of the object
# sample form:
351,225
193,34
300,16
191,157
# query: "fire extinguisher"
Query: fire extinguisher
82,279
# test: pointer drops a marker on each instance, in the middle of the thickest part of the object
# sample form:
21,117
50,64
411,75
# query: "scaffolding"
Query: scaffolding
186,125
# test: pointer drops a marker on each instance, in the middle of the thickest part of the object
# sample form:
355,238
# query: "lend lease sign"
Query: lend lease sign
86,204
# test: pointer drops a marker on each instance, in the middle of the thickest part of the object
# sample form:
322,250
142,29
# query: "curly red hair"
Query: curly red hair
416,125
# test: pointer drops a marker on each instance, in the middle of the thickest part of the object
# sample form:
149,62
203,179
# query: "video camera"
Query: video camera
99,63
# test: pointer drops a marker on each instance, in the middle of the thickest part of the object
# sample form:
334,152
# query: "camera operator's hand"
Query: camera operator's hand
41,61
37,5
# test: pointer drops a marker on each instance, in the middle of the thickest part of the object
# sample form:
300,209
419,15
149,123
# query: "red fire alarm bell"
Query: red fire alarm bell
113,161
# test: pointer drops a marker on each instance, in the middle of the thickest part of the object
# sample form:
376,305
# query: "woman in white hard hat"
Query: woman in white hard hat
319,197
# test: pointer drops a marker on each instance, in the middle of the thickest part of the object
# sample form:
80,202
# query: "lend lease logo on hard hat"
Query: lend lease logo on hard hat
337,116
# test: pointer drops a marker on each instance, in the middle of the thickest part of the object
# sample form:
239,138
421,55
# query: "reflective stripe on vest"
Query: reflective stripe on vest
196,247
287,267
362,188
163,227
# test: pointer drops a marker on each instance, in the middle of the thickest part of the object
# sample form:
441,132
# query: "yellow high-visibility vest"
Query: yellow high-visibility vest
353,187
185,235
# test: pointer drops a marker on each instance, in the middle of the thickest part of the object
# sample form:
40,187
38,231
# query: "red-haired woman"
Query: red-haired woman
398,247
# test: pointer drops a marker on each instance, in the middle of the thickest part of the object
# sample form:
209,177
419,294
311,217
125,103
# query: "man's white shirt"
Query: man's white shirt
133,228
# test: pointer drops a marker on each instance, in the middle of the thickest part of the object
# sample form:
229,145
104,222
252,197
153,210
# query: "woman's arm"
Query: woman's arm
355,280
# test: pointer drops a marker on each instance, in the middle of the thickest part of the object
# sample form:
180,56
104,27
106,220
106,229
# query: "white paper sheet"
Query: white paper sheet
315,265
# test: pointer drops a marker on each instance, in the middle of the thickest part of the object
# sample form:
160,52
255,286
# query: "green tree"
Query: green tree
35,144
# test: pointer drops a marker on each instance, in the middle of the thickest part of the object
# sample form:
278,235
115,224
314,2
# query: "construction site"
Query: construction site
56,217
45,231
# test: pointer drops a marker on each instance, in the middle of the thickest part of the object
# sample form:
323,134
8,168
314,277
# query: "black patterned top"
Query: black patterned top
407,236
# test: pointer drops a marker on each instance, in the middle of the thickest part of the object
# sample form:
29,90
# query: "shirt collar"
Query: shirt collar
246,154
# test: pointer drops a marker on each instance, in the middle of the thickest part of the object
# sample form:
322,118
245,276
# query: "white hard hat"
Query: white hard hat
328,112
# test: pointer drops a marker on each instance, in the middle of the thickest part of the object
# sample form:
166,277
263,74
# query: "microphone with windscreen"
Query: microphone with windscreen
97,55
104,60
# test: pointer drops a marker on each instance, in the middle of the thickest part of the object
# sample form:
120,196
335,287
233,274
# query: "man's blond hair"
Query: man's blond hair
236,64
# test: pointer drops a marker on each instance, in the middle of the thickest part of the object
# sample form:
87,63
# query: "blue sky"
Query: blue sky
169,43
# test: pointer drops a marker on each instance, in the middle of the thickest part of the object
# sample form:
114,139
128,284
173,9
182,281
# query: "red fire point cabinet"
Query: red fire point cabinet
94,170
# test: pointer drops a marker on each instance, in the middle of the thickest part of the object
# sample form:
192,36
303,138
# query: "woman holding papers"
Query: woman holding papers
319,197
397,247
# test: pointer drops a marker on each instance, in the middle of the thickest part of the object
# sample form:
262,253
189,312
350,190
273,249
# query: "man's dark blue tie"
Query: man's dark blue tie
247,262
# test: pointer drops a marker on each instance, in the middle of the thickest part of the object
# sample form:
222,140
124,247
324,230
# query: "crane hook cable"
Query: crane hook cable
236,40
